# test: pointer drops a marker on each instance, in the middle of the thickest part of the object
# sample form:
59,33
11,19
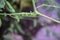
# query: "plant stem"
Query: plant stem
47,17
34,5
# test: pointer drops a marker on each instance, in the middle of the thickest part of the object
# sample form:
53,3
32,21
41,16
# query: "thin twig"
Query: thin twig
47,5
47,17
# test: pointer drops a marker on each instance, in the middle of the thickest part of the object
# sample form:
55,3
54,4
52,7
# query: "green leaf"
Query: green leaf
44,7
46,2
19,28
11,9
2,3
3,17
0,10
0,22
54,34
8,37
12,25
54,3
35,22
51,9
11,29
36,1
16,17
58,13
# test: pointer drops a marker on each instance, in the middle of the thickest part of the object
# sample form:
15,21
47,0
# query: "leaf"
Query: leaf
9,6
3,17
44,7
8,37
19,28
2,3
0,22
51,9
54,2
58,13
17,18
47,33
35,22
36,1
11,27
11,30
55,35
46,2
0,10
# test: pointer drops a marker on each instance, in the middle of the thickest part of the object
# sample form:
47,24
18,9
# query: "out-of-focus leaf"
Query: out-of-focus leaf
17,18
44,7
19,28
36,1
2,3
8,37
0,10
54,2
54,34
58,13
0,22
11,9
46,2
51,9
17,10
11,27
11,30
4,17
35,22
15,31
47,33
